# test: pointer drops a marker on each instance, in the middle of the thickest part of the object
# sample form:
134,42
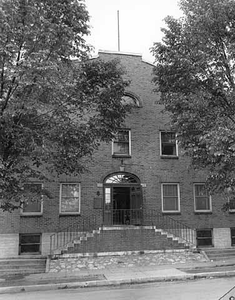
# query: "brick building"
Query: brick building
142,170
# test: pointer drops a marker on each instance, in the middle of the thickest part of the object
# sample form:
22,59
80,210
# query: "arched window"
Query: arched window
121,178
130,99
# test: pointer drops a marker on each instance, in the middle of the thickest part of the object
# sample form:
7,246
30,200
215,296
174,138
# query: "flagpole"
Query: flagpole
118,31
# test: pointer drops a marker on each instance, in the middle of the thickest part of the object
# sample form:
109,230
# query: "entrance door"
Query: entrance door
122,200
121,205
136,205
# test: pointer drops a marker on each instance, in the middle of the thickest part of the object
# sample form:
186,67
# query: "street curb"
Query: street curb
103,283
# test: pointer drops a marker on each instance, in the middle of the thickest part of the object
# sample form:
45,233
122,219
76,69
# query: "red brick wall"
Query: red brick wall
145,162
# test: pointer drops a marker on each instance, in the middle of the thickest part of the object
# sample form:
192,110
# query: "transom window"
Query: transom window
122,143
202,199
121,178
168,144
70,198
170,197
33,204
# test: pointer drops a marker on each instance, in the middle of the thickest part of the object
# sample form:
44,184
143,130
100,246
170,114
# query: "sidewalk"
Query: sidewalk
112,274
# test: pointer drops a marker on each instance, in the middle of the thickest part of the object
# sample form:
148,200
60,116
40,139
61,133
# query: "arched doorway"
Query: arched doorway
122,199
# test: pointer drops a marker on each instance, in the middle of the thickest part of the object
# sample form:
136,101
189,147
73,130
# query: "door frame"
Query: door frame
118,179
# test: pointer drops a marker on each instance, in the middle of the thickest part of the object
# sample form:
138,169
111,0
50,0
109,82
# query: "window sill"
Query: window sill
203,212
31,214
171,212
121,155
169,156
232,211
69,214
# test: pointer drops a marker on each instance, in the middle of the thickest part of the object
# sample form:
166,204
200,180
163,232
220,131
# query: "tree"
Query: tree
56,105
195,73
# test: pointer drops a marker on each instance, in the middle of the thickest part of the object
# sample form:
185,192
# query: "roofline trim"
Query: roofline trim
119,52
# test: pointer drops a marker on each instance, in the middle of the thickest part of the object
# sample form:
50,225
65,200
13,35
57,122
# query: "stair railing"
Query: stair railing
63,237
169,225
138,217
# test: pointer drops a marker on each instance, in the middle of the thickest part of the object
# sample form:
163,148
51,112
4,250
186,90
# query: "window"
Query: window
130,99
122,143
170,197
33,204
168,144
70,198
232,204
30,243
120,178
202,199
204,237
107,198
232,236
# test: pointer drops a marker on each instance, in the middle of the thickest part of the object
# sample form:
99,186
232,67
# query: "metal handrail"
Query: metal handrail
170,225
137,217
65,236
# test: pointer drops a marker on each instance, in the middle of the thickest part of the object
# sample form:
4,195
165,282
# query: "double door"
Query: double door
122,204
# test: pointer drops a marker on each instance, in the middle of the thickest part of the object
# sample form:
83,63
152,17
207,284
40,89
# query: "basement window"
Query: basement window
204,238
30,244
232,236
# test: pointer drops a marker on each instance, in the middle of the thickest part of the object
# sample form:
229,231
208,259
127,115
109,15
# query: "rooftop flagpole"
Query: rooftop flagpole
118,31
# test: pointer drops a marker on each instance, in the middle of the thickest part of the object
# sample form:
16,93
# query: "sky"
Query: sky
140,23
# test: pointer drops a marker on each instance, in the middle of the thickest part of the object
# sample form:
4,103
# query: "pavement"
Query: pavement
118,269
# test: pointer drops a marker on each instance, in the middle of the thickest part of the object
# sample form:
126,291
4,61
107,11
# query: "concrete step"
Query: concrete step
216,254
22,266
128,238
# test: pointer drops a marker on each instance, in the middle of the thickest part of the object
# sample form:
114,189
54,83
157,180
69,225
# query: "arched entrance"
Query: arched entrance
122,199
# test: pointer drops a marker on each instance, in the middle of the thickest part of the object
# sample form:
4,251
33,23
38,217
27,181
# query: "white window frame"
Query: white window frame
122,154
79,199
194,196
178,196
33,213
176,145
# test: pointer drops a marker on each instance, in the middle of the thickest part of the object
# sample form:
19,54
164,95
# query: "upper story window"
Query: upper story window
34,203
130,99
121,145
202,199
168,144
170,197
70,198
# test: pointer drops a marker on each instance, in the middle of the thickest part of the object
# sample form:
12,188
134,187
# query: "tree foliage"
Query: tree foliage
195,72
56,105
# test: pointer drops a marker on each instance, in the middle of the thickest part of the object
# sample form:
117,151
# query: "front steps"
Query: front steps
124,238
219,254
22,265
